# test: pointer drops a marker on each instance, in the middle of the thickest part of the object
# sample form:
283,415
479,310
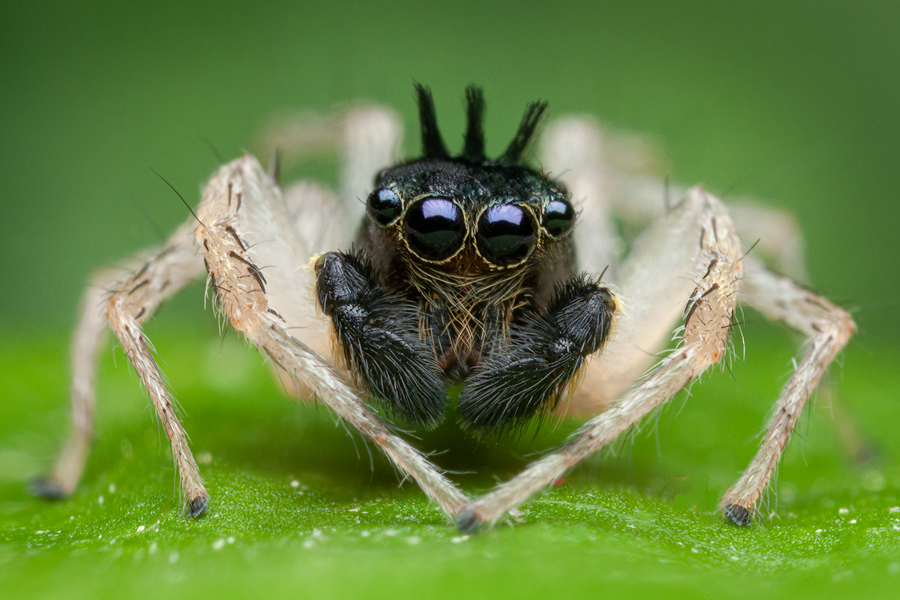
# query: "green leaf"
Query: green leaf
300,507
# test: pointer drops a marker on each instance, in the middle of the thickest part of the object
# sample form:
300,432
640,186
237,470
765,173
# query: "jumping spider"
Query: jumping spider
466,269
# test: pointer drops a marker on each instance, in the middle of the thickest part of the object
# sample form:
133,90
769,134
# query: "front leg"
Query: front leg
529,372
377,333
245,225
155,276
717,266
828,329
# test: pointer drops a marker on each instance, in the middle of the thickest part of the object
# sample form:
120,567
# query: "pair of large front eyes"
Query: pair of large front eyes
435,228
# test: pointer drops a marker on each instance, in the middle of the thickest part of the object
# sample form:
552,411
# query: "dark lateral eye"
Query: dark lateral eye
435,228
559,216
384,206
506,234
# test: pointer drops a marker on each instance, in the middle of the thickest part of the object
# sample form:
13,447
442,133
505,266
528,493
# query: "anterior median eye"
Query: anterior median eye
559,216
435,228
384,206
506,234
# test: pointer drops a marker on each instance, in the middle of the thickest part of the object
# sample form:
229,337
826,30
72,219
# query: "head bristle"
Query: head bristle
432,143
533,115
473,149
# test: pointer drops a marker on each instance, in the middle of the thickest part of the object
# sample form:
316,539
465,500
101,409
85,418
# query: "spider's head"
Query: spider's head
470,213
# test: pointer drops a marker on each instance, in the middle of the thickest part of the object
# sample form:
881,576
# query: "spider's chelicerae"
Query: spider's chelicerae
467,269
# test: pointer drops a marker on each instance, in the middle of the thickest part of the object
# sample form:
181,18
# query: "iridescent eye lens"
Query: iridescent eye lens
384,206
435,228
506,234
559,216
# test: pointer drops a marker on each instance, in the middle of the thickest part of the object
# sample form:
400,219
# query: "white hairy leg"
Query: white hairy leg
366,136
708,322
88,338
251,250
655,280
773,232
827,329
774,235
373,139
615,174
610,175
654,285
656,277
367,139
572,151
156,276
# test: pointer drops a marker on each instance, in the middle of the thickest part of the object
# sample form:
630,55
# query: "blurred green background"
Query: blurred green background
793,102
797,103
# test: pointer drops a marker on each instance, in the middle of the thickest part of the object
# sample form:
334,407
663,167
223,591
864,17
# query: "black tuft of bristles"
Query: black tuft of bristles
473,146
473,149
432,143
517,147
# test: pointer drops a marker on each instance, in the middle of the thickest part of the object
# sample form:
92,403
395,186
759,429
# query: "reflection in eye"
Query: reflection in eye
435,228
506,234
558,218
384,206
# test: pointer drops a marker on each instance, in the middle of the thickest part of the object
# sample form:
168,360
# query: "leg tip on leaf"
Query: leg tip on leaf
46,487
198,505
468,522
737,514
867,454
